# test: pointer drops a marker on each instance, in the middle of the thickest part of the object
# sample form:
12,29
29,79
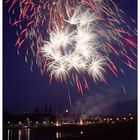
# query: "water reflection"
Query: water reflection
19,134
81,132
24,133
58,135
11,134
8,135
32,134
28,134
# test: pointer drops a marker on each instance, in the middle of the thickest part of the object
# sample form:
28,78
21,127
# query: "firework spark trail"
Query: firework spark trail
69,97
123,88
72,39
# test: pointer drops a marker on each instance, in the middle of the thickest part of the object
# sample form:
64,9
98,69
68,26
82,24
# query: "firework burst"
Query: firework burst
72,39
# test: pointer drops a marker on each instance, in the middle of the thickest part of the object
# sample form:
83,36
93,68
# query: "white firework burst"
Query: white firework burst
81,47
96,68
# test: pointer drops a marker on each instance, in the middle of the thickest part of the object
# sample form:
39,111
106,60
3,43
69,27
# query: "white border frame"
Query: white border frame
1,75
1,69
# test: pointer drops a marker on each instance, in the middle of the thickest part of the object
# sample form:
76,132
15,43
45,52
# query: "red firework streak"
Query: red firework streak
37,19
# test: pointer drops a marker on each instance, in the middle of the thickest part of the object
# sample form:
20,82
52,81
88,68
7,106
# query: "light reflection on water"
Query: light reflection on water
19,134
34,134
58,135
8,137
25,134
9,134
28,134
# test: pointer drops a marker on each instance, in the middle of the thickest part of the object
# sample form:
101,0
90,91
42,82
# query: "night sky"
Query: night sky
24,90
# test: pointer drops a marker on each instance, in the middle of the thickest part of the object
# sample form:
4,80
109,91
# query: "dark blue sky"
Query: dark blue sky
23,90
